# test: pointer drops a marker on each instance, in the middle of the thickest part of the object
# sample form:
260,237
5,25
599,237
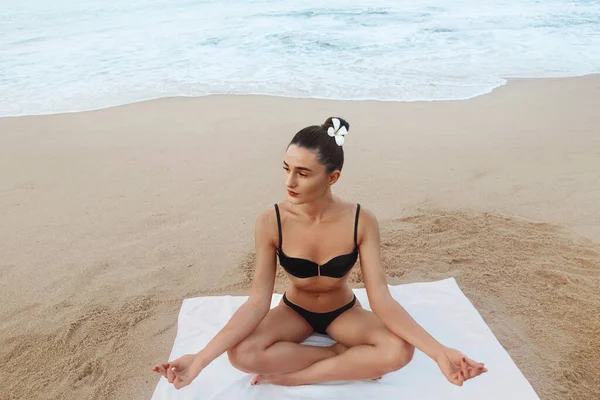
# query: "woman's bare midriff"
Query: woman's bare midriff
319,293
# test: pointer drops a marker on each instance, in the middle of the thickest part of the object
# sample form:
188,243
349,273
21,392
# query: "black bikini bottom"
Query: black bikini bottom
319,321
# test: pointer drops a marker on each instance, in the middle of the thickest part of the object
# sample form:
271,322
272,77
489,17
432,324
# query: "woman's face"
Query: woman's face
305,177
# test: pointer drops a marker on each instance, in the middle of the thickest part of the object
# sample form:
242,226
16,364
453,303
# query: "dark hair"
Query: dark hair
315,137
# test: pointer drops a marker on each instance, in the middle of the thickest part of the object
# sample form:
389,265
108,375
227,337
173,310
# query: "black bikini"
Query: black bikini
337,267
319,321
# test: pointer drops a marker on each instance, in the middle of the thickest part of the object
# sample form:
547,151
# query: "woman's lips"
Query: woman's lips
293,194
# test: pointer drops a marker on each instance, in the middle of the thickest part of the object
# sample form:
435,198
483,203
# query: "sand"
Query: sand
110,218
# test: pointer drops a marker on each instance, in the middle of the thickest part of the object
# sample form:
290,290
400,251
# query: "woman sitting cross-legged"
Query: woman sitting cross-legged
318,238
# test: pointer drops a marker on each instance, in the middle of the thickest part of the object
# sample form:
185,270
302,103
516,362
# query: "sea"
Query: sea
62,56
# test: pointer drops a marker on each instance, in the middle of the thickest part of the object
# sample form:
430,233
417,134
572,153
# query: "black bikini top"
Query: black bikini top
337,267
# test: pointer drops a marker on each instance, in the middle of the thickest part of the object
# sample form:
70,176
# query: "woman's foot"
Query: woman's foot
277,379
285,379
280,379
289,379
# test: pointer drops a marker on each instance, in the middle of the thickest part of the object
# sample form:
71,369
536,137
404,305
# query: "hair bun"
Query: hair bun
329,123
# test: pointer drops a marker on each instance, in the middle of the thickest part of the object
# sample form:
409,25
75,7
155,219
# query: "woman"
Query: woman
318,239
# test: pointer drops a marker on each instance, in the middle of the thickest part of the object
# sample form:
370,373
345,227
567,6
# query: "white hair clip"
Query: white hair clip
337,131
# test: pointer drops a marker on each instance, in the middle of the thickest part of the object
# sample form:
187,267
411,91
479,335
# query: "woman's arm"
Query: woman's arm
252,312
391,313
455,366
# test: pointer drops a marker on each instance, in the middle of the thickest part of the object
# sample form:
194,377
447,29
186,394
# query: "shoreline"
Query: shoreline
506,82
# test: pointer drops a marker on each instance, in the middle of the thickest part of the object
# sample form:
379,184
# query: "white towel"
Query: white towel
440,307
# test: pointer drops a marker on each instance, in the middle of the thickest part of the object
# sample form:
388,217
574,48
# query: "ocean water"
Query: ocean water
59,56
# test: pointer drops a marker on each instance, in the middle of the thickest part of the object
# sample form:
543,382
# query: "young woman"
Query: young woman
318,238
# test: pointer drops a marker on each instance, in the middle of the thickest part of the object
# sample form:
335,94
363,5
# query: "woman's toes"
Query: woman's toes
256,380
275,379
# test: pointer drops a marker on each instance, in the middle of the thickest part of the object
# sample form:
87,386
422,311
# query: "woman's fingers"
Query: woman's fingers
170,372
180,380
475,368
479,371
161,370
470,369
464,368
473,372
460,379
455,378
472,363
170,375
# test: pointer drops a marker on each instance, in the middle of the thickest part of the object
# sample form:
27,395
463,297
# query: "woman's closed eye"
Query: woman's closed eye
300,173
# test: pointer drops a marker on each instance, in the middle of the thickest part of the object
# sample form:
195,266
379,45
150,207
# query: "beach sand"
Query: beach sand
110,218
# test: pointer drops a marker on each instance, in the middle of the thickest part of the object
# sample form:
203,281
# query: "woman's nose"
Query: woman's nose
290,181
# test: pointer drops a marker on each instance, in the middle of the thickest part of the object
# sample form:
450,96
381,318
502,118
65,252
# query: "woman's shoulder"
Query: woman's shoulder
265,227
267,216
366,221
366,212
359,208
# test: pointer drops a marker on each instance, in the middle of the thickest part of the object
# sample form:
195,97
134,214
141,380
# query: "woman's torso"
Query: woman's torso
319,256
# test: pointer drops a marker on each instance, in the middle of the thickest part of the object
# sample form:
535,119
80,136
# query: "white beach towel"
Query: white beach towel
440,307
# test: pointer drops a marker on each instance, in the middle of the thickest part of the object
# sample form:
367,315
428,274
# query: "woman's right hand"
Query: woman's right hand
181,371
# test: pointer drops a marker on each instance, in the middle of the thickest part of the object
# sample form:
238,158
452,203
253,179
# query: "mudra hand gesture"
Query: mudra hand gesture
457,367
181,371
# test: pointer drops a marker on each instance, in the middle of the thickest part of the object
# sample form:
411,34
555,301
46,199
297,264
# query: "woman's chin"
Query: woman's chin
294,199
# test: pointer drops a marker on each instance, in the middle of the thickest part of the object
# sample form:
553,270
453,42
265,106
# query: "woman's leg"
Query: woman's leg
373,351
273,347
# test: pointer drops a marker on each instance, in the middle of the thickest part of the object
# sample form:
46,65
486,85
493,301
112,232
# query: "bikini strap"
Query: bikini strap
356,224
279,225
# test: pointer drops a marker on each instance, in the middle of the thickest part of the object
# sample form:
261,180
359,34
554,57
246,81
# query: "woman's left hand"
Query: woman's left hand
457,367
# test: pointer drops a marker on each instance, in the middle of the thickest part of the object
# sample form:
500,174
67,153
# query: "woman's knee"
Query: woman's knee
247,356
396,353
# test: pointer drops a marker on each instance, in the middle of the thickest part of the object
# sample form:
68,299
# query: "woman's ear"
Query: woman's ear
334,176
